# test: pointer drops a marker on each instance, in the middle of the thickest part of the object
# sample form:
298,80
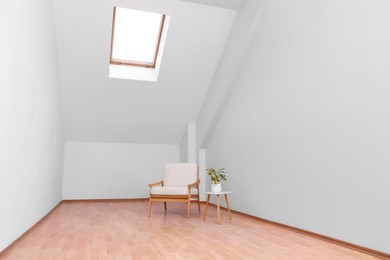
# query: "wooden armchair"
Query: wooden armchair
180,184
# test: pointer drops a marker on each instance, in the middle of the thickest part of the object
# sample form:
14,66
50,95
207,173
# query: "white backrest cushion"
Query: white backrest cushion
180,174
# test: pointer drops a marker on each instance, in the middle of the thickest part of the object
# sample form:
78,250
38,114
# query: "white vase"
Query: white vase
216,187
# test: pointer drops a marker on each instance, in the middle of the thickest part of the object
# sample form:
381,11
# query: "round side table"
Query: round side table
225,193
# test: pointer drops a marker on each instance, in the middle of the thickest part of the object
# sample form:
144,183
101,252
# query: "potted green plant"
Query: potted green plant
216,178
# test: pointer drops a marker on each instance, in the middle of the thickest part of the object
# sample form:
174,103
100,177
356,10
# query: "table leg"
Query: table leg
207,206
228,206
219,215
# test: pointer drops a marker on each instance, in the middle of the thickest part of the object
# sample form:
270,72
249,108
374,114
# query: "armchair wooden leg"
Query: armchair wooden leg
165,205
150,206
198,203
188,207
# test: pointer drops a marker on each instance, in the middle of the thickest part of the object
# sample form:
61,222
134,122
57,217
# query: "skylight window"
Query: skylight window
136,37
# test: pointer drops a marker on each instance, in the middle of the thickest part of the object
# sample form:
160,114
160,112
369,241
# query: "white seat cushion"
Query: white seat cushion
172,191
180,174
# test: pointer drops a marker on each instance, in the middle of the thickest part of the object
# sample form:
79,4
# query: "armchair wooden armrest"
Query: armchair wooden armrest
194,185
160,183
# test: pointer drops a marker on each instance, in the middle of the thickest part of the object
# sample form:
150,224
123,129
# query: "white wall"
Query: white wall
188,148
192,149
305,136
31,136
190,153
202,174
114,170
184,147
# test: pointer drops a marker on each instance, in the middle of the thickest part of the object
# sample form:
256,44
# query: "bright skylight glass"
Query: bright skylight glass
136,35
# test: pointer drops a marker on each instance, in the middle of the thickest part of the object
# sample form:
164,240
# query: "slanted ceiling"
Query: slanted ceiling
101,109
231,4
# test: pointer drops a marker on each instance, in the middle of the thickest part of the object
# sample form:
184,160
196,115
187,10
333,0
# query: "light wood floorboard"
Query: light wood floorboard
122,230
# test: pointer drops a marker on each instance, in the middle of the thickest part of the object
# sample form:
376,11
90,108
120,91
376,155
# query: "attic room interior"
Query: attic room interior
101,100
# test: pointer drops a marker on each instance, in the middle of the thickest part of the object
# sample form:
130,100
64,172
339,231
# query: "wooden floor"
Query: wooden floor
122,230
